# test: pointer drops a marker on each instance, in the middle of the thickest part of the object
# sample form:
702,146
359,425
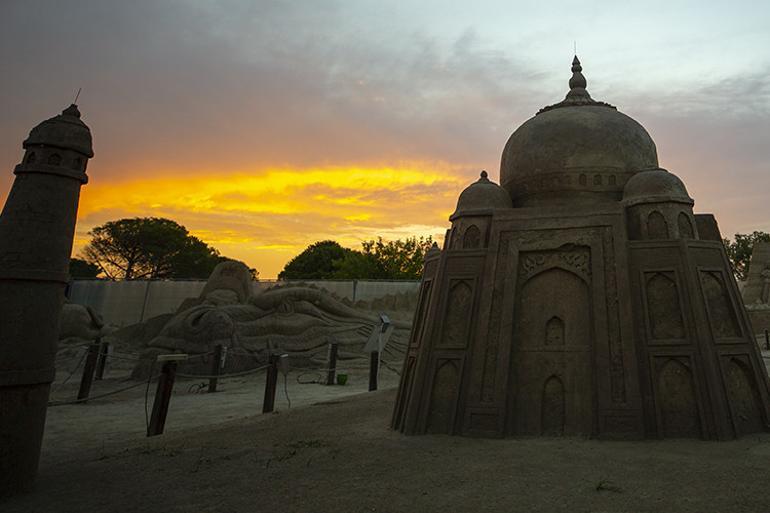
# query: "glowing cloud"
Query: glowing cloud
266,216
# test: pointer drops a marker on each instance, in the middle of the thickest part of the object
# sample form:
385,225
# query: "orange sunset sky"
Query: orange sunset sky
263,126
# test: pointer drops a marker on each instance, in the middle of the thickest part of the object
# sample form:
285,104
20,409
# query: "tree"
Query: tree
400,259
149,248
79,268
316,262
357,265
739,251
388,260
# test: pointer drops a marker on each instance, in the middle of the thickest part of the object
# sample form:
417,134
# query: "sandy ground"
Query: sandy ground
110,423
333,452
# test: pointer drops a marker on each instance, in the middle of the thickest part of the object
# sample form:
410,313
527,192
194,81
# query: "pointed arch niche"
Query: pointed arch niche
443,397
664,310
552,408
722,316
676,400
472,237
685,226
456,318
657,228
744,399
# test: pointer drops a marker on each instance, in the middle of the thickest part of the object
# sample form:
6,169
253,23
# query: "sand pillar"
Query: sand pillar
37,227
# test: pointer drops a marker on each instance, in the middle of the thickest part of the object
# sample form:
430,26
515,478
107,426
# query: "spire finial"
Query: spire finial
72,110
576,67
483,175
577,94
577,84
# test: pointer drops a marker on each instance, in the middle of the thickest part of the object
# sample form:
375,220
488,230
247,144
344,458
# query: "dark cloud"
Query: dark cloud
170,86
179,87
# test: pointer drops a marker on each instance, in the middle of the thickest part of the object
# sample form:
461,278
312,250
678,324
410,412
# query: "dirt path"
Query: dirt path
339,456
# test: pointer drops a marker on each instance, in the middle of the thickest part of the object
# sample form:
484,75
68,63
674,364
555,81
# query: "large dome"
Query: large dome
575,151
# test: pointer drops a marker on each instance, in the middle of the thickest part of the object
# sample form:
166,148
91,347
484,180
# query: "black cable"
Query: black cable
85,399
286,388
317,380
146,394
72,373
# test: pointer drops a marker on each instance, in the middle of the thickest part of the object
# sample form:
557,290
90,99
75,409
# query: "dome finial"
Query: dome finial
483,175
577,94
72,110
577,84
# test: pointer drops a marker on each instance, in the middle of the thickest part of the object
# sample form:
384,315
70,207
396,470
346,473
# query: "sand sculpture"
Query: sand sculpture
79,324
581,297
37,226
295,319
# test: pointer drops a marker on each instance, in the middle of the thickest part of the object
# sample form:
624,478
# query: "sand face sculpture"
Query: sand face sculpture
581,296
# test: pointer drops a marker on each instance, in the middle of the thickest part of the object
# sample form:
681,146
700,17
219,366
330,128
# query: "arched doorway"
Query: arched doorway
551,363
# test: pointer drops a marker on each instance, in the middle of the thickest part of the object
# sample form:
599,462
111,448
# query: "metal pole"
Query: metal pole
101,363
88,371
331,363
270,384
374,364
162,398
144,303
216,365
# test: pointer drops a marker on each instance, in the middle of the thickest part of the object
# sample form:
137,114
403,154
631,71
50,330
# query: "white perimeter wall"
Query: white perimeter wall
127,302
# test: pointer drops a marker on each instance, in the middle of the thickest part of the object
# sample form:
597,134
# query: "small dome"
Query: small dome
481,197
579,149
655,186
64,131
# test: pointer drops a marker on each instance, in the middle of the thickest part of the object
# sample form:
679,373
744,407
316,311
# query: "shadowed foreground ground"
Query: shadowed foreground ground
340,457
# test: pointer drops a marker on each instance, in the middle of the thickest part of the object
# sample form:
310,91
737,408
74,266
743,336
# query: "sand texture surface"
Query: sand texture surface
339,456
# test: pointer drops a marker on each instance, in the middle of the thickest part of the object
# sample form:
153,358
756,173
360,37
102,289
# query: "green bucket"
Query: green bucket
342,379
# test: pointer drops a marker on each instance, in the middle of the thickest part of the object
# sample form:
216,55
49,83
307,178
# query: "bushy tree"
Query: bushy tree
149,248
400,259
378,260
316,262
359,266
739,251
390,260
81,269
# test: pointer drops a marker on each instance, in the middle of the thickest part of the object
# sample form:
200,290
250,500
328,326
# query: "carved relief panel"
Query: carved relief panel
665,322
742,394
457,316
676,399
443,396
721,312
419,319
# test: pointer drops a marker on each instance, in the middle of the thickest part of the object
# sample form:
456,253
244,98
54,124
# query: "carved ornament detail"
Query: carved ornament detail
574,258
